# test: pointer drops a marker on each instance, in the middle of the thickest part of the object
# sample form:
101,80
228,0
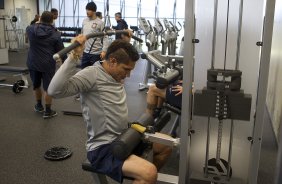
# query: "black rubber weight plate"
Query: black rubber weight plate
57,153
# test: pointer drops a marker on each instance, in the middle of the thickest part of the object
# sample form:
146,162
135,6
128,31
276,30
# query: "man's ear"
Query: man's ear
113,61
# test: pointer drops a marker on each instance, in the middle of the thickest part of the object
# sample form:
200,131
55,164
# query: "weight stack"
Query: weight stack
239,104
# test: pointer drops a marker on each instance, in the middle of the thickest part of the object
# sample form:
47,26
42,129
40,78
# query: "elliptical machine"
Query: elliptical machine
152,44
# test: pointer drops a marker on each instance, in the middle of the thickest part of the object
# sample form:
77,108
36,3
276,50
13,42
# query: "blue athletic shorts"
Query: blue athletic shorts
104,162
89,59
171,99
37,77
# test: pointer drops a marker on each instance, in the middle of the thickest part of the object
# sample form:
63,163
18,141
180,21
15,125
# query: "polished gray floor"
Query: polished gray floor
25,136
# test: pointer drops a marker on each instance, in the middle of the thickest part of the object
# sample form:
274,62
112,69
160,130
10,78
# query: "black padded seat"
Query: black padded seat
14,69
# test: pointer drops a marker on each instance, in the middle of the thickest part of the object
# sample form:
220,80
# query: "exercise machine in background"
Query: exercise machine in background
151,39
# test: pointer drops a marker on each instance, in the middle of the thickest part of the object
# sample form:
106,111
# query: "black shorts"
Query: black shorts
104,162
171,99
37,77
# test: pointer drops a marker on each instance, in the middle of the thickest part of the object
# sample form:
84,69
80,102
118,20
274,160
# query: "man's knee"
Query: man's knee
150,174
167,150
162,150
152,89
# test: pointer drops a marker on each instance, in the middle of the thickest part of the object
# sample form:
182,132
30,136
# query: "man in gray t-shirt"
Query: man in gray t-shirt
95,48
104,109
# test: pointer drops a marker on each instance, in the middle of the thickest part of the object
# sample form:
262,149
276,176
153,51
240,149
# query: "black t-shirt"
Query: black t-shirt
121,25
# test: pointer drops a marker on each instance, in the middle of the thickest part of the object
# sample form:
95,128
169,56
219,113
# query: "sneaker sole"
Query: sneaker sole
38,110
47,117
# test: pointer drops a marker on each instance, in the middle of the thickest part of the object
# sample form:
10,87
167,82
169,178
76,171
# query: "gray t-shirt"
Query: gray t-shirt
103,100
94,45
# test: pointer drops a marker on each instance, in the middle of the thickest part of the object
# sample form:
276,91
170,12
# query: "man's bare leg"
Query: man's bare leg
48,99
161,152
153,96
143,171
38,94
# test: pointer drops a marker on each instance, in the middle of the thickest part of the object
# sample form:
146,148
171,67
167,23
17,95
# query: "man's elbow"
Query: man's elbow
52,92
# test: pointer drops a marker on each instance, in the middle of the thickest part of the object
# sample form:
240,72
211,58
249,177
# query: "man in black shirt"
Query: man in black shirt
121,24
44,41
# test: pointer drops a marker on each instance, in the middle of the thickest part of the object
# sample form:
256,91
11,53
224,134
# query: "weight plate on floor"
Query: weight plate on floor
21,82
17,86
57,153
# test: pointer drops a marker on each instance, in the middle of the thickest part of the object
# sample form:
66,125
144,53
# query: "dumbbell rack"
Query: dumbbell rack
67,33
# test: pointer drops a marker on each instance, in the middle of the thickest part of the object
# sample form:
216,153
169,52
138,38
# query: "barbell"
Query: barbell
17,87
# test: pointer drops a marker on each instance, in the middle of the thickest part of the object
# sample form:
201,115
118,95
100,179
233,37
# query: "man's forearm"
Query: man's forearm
59,87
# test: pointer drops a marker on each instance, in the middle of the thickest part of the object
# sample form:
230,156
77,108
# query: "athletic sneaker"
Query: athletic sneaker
38,108
49,114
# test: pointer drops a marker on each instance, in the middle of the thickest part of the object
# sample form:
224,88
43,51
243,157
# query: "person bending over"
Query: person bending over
105,111
95,48
44,42
155,97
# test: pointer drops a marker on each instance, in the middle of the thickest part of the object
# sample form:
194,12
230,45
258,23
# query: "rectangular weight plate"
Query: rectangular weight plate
239,104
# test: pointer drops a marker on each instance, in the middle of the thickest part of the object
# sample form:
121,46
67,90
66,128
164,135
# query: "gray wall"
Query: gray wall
274,93
10,10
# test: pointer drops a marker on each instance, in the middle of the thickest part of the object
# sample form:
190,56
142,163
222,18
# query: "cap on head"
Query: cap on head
91,6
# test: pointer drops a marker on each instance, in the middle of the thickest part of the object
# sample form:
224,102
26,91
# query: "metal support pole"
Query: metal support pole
75,13
156,8
278,178
230,148
239,34
214,32
261,92
174,12
122,8
62,9
49,5
77,23
207,148
184,172
226,34
59,13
